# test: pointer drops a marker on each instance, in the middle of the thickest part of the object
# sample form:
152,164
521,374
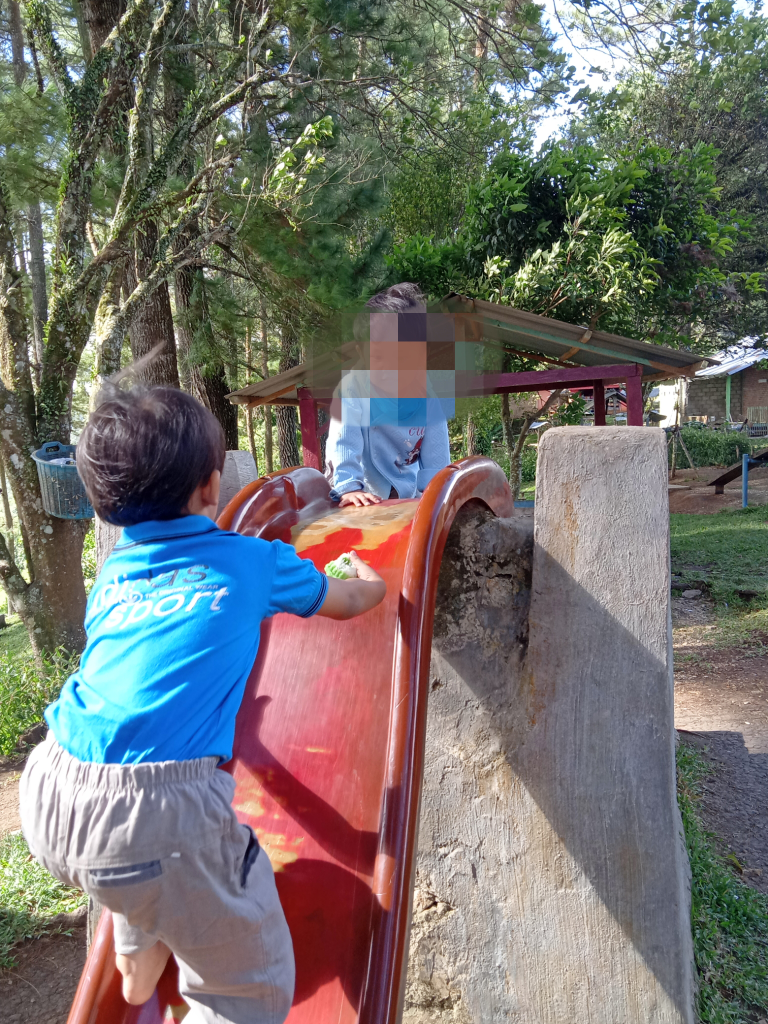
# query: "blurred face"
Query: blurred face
398,368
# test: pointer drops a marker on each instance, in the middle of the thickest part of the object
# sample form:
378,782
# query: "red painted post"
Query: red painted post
310,445
635,399
598,390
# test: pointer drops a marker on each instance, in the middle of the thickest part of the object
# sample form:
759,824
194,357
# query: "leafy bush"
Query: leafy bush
29,897
26,690
710,447
529,460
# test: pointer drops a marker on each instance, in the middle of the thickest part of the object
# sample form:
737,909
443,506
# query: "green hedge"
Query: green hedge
713,447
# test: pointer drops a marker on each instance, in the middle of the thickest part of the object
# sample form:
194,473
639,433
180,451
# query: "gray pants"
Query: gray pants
160,846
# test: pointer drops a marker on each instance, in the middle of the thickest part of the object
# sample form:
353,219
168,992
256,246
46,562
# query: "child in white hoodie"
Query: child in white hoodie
388,435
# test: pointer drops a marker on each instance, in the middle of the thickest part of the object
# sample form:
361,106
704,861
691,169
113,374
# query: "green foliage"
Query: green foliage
570,412
729,919
31,140
704,86
727,552
711,447
633,241
29,897
26,690
595,272
437,269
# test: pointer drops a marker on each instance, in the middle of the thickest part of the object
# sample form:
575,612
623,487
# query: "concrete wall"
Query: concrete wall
706,397
551,883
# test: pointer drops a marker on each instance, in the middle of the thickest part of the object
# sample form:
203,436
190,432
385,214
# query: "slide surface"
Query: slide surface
329,748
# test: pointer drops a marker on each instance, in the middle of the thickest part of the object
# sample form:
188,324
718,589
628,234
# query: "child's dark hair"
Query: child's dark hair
144,451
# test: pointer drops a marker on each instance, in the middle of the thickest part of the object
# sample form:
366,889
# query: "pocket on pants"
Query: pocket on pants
134,874
249,858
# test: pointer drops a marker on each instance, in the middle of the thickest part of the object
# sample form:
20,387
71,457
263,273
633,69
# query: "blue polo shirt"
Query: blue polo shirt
173,630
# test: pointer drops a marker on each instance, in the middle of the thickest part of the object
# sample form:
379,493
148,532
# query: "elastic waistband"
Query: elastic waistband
147,775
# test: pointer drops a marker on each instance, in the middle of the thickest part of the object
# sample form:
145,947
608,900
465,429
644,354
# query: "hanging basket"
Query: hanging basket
60,485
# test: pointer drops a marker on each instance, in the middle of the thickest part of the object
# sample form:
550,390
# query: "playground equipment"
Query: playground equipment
740,469
328,748
550,877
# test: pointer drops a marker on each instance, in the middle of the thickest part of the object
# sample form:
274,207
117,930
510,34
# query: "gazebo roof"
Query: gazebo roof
488,323
560,343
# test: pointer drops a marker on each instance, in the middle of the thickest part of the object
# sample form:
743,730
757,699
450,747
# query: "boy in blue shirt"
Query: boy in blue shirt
123,798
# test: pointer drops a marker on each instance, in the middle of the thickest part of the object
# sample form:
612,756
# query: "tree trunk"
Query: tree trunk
248,410
52,606
100,17
191,378
208,382
82,31
287,421
471,436
516,455
216,391
17,42
152,328
34,213
268,446
37,280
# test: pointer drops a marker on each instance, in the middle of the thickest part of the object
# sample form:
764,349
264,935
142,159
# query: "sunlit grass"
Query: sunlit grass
29,897
729,919
728,552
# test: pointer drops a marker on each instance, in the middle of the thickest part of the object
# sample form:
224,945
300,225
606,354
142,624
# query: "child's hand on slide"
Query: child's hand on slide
364,571
353,587
358,498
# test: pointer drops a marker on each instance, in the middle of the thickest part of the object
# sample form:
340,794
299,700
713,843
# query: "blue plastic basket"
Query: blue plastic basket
61,488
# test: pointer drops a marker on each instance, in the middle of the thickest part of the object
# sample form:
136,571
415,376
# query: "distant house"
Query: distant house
733,391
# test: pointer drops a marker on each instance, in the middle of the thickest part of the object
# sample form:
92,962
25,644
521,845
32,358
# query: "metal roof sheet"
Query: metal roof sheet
742,359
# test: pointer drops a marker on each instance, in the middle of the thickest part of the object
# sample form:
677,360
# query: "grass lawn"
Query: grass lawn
29,897
728,553
728,918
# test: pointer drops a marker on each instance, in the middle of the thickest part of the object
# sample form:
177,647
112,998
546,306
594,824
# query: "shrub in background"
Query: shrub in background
712,447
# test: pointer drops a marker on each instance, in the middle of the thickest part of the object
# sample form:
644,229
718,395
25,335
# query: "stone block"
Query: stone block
552,881
239,470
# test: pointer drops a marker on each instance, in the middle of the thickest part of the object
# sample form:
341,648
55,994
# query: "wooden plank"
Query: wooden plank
634,402
308,421
598,387
734,472
533,380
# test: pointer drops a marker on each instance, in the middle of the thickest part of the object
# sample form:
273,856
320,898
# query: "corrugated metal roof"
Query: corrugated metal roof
734,360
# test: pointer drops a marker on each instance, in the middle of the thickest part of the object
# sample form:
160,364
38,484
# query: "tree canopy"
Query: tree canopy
197,187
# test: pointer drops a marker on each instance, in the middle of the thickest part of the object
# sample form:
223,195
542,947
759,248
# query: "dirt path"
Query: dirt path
10,773
721,705
689,492
40,988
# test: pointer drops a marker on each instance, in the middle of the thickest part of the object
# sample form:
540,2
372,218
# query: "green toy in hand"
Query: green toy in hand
341,568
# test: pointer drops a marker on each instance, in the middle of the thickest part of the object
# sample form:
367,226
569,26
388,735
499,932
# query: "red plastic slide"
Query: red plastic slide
329,749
